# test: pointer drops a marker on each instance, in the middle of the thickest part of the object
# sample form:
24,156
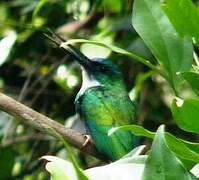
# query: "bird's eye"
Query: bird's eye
101,67
104,68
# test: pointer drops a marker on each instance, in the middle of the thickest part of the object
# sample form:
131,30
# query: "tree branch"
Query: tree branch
42,123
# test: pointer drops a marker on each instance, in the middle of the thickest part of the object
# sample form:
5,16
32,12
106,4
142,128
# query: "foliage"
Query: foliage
129,167
162,43
184,17
132,166
159,60
167,166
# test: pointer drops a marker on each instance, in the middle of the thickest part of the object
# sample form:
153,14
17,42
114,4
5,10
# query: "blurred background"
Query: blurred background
37,73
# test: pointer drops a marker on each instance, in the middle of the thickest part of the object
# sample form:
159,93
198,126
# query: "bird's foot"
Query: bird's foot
87,141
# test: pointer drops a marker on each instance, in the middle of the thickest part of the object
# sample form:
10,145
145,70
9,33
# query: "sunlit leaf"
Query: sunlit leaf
60,169
6,45
123,171
195,170
115,5
130,166
93,51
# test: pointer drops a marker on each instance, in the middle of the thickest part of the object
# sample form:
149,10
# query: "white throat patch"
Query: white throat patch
87,82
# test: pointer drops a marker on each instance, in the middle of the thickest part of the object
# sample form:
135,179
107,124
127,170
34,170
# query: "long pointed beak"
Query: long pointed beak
76,53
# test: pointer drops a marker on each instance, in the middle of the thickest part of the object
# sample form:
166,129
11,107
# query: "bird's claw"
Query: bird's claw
87,141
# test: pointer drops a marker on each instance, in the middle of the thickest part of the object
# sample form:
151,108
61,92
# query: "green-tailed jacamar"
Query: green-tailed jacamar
103,103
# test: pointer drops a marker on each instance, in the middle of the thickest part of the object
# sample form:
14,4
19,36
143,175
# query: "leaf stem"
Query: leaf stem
117,50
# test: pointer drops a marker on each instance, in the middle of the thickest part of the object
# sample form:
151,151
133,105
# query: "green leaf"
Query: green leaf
193,79
184,16
112,48
38,7
79,172
139,83
7,160
193,146
173,53
135,129
183,149
162,164
92,50
129,167
186,113
113,6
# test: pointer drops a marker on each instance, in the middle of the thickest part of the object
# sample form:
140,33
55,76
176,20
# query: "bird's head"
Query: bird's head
97,70
104,71
100,70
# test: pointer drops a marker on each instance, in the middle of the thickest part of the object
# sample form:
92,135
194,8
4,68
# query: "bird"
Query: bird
103,103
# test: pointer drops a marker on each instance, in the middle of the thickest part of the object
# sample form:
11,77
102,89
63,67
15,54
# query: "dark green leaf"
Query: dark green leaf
183,149
7,158
162,164
172,52
184,16
186,113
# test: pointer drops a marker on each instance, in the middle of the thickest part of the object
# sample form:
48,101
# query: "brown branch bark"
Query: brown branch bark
42,123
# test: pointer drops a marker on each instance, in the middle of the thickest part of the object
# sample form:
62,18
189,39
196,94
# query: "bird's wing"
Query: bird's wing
102,110
107,107
114,146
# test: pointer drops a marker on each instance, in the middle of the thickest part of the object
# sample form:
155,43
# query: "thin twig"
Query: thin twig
30,87
47,78
23,139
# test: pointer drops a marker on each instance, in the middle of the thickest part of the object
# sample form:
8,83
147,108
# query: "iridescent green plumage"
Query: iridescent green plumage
103,103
